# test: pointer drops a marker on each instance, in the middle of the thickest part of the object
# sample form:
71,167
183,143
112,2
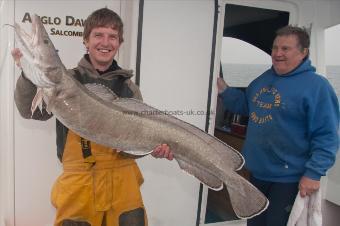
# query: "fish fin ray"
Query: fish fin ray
101,91
137,152
37,101
33,73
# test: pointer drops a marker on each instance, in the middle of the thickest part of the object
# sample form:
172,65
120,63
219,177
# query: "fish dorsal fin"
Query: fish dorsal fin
101,91
201,174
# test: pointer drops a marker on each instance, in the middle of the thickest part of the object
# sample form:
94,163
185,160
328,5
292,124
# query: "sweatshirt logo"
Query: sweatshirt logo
265,100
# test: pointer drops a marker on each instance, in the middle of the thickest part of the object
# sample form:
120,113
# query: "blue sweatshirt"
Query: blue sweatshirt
293,124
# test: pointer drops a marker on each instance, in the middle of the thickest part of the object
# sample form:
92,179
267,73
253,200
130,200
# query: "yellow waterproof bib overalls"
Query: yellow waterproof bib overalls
100,193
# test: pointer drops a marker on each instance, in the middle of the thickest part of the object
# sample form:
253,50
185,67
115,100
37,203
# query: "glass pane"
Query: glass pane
332,35
242,62
332,51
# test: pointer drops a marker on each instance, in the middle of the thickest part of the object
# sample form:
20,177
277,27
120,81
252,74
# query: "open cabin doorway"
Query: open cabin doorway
248,33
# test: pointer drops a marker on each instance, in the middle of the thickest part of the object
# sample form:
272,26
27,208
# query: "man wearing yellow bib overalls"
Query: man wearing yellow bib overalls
98,186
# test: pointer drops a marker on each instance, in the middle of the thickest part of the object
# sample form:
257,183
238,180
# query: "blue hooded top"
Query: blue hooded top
293,124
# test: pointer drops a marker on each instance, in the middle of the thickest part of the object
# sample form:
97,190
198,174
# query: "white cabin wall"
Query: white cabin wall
333,15
322,15
325,13
28,158
129,12
6,115
310,17
175,70
318,15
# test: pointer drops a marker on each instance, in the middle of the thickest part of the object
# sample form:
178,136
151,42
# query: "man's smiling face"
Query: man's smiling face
287,54
102,44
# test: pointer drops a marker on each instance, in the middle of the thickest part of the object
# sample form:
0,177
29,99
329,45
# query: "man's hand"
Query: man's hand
163,151
308,186
221,85
16,54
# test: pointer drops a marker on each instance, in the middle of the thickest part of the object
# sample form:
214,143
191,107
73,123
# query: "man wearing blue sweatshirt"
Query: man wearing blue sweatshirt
292,136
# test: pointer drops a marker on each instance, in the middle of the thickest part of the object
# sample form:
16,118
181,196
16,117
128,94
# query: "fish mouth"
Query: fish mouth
24,39
30,42
35,30
39,54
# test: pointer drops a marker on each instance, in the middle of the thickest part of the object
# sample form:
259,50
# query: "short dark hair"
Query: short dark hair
300,32
103,17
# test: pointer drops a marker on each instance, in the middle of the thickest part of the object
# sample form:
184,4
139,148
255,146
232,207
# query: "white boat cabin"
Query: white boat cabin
175,49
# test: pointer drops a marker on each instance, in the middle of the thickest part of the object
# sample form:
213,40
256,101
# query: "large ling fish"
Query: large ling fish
130,125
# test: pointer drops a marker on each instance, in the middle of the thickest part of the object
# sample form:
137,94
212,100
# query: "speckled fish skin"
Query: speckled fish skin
133,126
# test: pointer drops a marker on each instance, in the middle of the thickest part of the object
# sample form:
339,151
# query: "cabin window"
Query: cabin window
332,52
242,62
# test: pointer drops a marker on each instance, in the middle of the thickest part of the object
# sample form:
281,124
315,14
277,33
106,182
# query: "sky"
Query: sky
233,50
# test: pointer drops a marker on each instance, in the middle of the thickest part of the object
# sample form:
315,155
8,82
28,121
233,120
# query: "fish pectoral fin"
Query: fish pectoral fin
246,199
204,176
37,101
136,153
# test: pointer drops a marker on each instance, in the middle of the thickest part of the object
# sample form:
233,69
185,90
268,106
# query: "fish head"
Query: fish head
43,65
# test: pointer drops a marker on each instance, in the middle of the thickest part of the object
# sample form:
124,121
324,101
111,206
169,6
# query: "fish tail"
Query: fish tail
246,199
